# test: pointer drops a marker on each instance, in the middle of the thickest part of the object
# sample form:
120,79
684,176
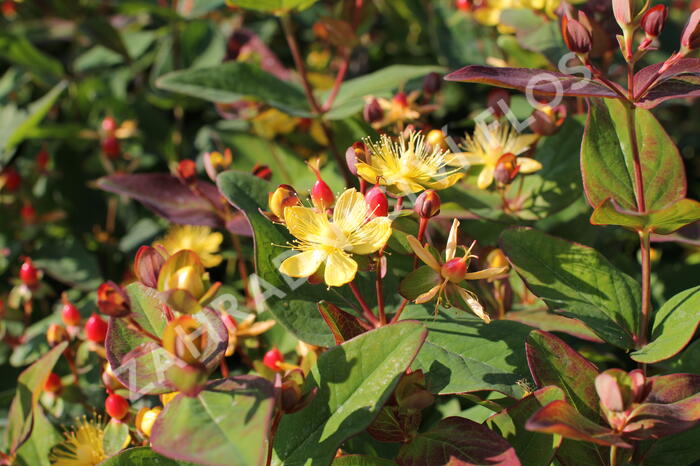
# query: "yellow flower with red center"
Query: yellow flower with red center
332,244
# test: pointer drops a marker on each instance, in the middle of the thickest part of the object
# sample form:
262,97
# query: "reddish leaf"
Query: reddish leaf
456,441
553,362
652,420
561,418
672,388
538,81
552,322
344,326
681,80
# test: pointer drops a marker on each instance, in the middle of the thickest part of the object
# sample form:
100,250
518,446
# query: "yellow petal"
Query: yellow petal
486,273
428,295
306,224
463,159
451,247
474,304
485,177
350,210
370,237
340,269
367,172
446,182
423,253
304,264
528,165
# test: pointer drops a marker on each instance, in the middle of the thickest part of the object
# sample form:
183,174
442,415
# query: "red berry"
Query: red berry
12,180
42,160
463,5
454,269
272,358
70,315
377,202
28,213
111,148
96,328
53,383
322,195
28,273
401,99
116,406
109,124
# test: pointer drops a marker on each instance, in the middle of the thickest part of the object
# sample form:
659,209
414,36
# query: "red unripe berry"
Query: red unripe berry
401,99
70,315
42,160
321,195
187,170
463,5
28,213
28,273
109,124
12,180
272,358
116,406
454,269
377,202
111,147
96,329
53,383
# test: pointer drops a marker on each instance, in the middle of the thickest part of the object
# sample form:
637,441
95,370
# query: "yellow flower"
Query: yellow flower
492,141
449,274
408,166
199,239
331,244
271,123
82,446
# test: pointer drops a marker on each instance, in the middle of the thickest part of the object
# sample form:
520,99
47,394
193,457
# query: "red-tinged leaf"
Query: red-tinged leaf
343,325
673,387
537,81
607,160
652,420
168,197
689,234
679,81
552,322
553,362
532,448
561,418
456,441
662,222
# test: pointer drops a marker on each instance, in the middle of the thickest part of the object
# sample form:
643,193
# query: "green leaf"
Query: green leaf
68,261
463,354
141,456
116,435
350,98
353,380
607,161
226,424
362,460
419,281
674,326
456,440
662,222
30,383
18,50
233,81
35,451
292,303
17,123
533,448
344,326
273,6
553,362
578,281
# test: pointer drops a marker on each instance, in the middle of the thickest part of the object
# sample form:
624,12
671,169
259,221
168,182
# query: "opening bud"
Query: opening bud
506,169
690,39
112,300
147,265
356,153
216,162
56,334
653,21
373,112
185,339
576,36
427,204
626,11
377,202
284,196
145,419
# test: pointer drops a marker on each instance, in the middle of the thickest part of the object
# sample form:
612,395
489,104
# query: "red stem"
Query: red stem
380,292
399,311
366,311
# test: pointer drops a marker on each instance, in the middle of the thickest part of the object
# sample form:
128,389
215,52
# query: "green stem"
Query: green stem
613,456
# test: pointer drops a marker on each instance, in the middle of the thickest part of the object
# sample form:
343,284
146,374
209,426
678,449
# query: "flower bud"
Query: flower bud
272,359
216,162
690,39
548,120
185,339
116,406
626,11
56,334
112,300
145,419
454,270
427,204
147,265
109,125
373,112
377,202
96,329
356,153
435,137
496,259
10,180
53,383
110,380
111,147
432,83
506,169
184,282
640,387
187,170
497,100
577,38
187,278
283,197
28,274
653,21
